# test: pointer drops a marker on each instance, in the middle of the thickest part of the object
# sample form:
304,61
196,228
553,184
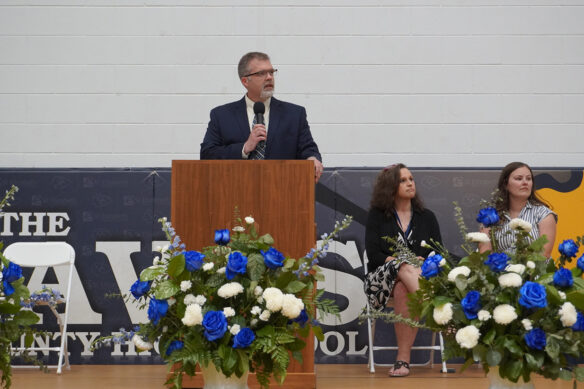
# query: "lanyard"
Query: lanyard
408,230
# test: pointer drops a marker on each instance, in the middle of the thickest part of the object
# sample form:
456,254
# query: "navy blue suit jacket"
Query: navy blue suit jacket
289,134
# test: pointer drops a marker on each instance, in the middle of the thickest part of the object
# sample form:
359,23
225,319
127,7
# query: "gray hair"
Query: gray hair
243,67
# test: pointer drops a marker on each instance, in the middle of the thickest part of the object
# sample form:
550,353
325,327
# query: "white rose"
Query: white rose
291,306
193,315
200,299
443,313
527,324
464,270
238,229
258,291
171,301
425,245
221,270
504,314
568,314
185,285
255,310
516,268
468,337
479,237
562,295
265,316
253,322
531,264
249,220
442,262
260,300
235,329
483,315
141,343
520,224
190,299
228,311
208,266
510,280
230,289
274,299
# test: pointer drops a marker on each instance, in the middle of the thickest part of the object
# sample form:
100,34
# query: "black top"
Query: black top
423,226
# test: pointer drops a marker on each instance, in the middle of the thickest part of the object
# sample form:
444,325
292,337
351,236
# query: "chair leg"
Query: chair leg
444,368
63,348
371,335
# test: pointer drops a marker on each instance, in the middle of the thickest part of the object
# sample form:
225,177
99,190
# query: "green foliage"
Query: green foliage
15,322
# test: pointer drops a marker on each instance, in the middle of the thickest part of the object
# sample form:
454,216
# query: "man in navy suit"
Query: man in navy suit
229,136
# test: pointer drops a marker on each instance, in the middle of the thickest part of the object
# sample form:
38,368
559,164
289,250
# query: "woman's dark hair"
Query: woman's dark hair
502,200
386,188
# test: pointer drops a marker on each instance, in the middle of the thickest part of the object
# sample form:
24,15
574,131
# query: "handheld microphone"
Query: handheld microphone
259,109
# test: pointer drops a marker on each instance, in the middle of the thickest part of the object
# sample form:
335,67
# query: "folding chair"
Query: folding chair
372,347
46,254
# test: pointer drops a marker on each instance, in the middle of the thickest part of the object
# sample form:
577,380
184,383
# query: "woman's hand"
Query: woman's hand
485,246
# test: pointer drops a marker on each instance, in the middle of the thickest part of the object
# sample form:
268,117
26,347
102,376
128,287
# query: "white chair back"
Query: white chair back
44,254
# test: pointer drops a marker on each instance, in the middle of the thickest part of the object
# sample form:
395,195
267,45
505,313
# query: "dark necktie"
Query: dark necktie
260,150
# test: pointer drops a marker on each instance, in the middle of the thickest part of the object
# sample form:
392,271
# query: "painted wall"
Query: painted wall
441,83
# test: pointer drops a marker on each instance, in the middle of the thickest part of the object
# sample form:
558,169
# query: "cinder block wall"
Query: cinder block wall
445,83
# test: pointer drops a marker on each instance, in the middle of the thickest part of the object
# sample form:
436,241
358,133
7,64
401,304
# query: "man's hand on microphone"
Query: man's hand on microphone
318,168
257,134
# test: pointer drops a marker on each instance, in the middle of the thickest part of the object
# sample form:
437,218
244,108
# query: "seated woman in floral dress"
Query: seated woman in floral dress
517,199
397,212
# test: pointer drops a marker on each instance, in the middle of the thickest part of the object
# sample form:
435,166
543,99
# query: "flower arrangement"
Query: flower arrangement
238,305
516,311
14,322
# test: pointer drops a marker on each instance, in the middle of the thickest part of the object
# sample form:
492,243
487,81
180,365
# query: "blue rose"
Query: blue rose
535,339
193,260
580,262
244,338
431,266
174,346
302,318
568,248
488,216
273,258
236,264
156,310
140,288
222,237
8,289
497,262
579,325
563,278
12,272
471,304
215,325
532,295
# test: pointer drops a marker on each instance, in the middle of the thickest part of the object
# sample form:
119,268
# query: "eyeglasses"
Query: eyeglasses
263,73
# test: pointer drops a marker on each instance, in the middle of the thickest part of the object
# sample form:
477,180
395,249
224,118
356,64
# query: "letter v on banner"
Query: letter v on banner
118,255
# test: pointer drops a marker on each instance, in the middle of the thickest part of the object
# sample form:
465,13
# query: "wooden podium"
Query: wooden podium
279,194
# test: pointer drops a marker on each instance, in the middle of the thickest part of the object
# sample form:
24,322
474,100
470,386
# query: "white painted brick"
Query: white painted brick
430,82
532,109
533,50
573,112
12,109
